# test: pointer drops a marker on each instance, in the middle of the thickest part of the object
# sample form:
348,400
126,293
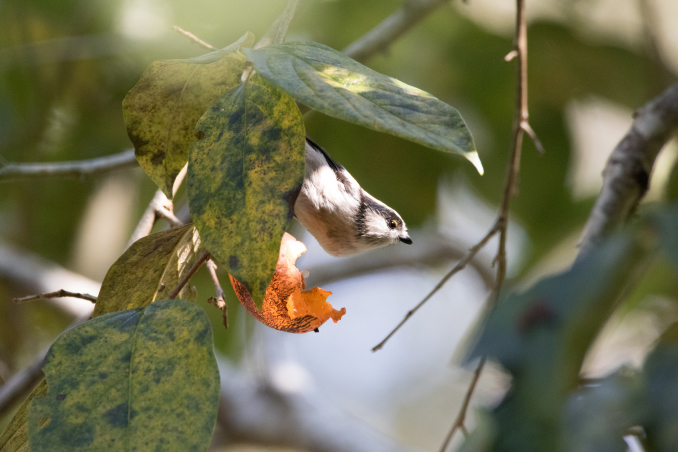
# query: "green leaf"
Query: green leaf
161,110
334,84
598,416
149,270
244,176
661,377
143,379
15,436
666,222
542,335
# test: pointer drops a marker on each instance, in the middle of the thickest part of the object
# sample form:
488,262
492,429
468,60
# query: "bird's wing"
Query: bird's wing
332,164
347,183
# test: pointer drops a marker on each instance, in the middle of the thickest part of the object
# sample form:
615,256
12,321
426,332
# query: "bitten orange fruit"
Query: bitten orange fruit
287,306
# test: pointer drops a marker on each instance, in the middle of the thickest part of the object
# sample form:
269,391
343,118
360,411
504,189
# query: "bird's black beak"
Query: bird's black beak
407,240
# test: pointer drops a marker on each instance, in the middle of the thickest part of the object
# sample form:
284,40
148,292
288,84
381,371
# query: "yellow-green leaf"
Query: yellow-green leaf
149,270
244,176
143,379
161,110
15,436
338,86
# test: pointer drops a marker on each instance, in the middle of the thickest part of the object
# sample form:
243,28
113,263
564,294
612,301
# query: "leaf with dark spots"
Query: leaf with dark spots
149,270
334,84
117,416
161,110
15,436
130,388
255,141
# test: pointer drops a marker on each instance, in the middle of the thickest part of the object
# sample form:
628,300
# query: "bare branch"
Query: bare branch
459,423
219,300
390,29
57,294
39,275
537,142
520,126
285,20
149,216
627,171
457,268
160,206
21,383
78,168
165,214
193,37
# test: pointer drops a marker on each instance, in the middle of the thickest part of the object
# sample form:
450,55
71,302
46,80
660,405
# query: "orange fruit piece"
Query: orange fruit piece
287,306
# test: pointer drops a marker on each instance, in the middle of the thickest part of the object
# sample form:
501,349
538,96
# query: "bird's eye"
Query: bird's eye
392,224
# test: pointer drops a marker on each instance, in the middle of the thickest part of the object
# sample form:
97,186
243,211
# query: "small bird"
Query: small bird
343,217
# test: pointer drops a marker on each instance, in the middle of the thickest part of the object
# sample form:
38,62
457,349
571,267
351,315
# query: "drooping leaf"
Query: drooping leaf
661,379
541,336
149,270
15,436
666,222
161,110
243,178
143,379
598,416
334,84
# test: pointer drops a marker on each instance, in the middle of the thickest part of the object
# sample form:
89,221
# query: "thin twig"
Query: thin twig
193,37
285,20
390,29
537,142
219,300
201,260
27,378
457,268
77,168
57,294
461,416
520,126
165,214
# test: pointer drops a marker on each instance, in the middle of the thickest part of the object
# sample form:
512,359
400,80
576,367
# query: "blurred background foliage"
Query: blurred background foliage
66,66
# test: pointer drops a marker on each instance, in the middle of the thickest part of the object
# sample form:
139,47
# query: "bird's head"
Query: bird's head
379,225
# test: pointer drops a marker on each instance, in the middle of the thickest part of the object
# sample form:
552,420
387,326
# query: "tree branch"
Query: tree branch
285,20
77,168
390,29
520,126
627,171
57,294
201,260
218,300
457,268
159,207
193,37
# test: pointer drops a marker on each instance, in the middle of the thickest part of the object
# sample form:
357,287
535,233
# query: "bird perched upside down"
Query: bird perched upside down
343,217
